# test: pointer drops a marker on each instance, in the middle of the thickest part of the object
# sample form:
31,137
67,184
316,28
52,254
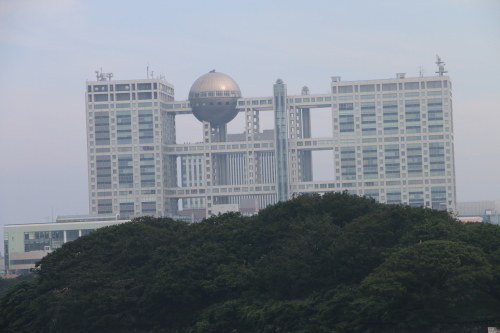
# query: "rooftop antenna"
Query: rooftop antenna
421,71
147,71
103,76
441,65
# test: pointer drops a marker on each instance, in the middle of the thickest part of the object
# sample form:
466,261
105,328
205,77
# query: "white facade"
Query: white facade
127,127
392,139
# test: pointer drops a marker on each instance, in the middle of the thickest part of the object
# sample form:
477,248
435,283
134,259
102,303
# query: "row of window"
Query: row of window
121,96
128,87
345,89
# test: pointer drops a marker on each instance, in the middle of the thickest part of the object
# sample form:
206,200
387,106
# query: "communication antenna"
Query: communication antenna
103,76
441,65
421,71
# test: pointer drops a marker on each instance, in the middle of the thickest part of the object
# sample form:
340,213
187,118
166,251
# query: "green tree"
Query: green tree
415,284
330,263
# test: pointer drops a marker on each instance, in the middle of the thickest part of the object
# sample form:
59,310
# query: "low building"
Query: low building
489,211
471,219
26,244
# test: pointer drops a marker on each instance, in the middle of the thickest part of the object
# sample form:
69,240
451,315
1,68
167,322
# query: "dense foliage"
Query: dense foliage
331,263
6,283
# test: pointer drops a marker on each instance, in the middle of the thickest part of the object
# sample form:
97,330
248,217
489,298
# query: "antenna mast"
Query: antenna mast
441,65
103,76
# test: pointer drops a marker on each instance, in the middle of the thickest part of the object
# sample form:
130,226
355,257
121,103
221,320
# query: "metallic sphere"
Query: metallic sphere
213,98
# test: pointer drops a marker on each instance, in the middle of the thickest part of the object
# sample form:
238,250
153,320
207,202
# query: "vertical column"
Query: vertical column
294,130
305,156
207,167
219,132
170,206
219,161
251,132
280,120
257,161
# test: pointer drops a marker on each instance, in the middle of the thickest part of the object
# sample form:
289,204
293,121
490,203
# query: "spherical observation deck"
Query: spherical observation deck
213,98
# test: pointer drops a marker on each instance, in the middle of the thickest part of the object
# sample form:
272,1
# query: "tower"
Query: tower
127,126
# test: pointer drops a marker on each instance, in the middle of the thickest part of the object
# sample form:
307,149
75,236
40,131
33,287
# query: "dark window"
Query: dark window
367,87
144,95
143,86
345,89
123,96
100,97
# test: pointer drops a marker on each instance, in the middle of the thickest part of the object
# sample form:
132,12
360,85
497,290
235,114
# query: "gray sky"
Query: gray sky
49,48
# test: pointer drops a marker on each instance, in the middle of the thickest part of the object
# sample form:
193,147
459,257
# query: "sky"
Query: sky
50,48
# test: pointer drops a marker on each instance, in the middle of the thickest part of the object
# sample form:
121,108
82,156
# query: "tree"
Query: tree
415,284
331,263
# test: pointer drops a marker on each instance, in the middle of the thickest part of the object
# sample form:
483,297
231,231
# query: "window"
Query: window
389,86
101,88
144,95
345,89
433,84
122,87
144,86
100,97
366,87
411,85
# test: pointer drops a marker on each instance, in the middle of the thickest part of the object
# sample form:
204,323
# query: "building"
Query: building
486,211
392,139
128,127
26,244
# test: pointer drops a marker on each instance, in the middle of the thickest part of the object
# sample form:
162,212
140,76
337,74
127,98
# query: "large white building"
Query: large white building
392,139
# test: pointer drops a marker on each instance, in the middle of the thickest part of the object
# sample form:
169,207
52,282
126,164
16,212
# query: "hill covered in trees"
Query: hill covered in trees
331,263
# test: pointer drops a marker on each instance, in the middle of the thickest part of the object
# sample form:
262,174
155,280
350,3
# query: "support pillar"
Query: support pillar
280,120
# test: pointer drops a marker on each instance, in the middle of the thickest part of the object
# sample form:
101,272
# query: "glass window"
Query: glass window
101,88
123,96
122,87
433,84
100,97
389,86
345,89
367,87
411,85
144,95
144,86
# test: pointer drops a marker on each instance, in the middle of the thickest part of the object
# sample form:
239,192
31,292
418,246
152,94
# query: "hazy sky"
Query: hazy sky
48,49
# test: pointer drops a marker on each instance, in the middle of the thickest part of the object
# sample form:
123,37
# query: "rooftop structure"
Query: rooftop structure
213,98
